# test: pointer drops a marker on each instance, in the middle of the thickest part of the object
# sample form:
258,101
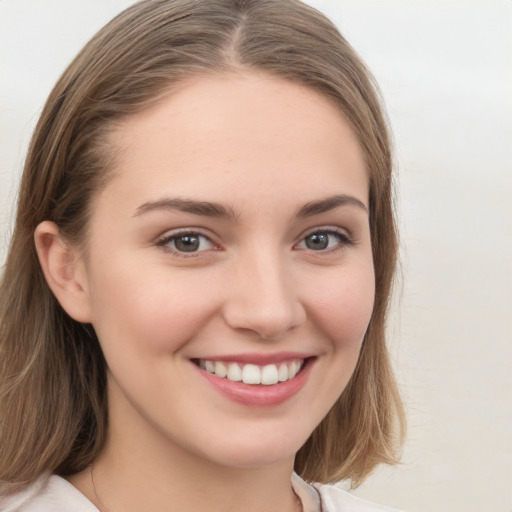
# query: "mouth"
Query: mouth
252,374
262,385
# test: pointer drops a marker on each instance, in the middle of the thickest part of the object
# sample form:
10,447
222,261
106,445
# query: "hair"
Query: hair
53,404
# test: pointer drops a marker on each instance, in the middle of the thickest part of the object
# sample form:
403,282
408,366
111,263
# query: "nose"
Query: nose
262,298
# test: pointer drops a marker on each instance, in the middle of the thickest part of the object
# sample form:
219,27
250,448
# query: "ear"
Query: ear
64,271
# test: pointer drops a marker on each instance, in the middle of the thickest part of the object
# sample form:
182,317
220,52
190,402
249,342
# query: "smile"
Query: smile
252,374
261,380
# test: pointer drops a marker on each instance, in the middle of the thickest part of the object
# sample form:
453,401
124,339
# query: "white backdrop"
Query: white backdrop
445,69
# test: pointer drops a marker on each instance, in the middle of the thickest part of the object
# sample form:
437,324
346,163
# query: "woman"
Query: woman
193,305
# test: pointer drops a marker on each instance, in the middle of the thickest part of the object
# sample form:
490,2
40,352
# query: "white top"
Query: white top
55,494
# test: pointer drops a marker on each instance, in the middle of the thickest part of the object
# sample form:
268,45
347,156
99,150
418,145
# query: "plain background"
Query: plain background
445,69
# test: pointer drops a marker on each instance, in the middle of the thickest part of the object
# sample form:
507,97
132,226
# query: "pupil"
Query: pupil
187,243
318,241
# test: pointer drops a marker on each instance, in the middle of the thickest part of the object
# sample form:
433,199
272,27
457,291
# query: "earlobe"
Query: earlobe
63,270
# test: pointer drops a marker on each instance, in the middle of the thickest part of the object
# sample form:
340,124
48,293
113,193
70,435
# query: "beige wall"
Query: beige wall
446,73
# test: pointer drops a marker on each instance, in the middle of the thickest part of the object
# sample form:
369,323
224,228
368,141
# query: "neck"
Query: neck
130,483
142,470
221,490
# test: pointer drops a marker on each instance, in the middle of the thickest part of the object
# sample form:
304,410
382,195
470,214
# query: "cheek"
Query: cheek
343,306
150,314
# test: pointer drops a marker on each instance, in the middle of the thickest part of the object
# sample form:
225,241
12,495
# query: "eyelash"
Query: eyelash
164,242
343,240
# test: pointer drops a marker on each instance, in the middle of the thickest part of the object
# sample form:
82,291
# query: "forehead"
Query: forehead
251,131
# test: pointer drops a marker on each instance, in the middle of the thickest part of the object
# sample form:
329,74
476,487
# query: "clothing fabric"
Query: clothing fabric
329,498
48,494
55,494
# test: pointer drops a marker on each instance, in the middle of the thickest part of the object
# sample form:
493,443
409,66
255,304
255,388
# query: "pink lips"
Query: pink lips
259,394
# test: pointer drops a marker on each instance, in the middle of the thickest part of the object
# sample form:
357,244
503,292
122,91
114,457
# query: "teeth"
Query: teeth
220,369
251,374
268,375
294,368
283,373
234,372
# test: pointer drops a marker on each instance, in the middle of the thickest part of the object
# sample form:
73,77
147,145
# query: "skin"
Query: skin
263,148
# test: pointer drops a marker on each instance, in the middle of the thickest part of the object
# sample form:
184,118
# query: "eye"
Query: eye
323,240
186,242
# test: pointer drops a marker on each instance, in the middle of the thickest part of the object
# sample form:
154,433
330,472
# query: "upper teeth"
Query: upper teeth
251,373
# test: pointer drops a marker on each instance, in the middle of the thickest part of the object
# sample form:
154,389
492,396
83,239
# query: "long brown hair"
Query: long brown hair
53,407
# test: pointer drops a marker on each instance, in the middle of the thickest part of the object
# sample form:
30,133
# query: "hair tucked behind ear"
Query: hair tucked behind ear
53,406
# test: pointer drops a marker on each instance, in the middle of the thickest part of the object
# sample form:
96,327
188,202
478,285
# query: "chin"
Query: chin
257,451
256,459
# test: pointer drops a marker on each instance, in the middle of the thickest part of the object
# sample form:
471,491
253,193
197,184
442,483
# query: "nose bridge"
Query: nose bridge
263,295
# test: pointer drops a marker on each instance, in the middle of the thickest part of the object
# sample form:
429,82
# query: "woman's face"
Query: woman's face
233,238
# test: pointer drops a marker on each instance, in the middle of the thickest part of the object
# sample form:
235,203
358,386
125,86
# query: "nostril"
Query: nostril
269,323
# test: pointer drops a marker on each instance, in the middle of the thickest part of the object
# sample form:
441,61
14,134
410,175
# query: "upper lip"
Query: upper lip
259,358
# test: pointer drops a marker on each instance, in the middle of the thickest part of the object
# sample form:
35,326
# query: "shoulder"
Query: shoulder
329,498
335,499
50,493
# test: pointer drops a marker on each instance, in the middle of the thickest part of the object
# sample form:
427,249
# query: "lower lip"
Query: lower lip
259,394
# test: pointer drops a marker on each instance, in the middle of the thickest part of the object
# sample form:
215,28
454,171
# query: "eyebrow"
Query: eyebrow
203,208
211,209
330,203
